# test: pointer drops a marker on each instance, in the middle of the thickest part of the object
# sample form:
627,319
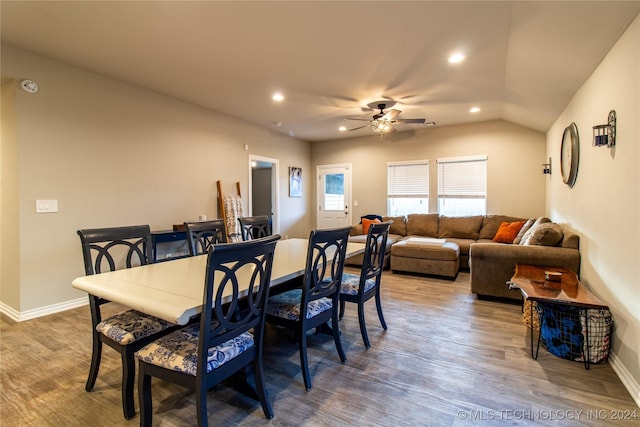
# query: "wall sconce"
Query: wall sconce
605,135
546,167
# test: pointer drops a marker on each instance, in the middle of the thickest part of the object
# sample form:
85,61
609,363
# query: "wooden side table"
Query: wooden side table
531,281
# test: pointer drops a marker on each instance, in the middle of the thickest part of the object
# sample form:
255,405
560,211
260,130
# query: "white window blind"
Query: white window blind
407,187
462,185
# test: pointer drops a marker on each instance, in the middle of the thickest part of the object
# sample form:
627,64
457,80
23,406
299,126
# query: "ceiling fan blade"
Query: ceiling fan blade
361,120
392,114
412,121
359,127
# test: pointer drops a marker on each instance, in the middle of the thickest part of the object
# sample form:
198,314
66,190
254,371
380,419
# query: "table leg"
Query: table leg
534,357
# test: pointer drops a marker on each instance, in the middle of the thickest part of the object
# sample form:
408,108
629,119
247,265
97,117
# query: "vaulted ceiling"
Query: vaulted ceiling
524,60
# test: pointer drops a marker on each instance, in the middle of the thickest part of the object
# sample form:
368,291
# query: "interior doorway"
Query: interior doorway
264,192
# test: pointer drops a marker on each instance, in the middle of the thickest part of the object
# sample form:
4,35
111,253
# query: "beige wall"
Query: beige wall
115,154
515,183
604,205
9,239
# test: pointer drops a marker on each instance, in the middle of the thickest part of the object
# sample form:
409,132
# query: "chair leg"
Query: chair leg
201,406
379,308
128,380
304,363
336,336
96,355
144,396
263,395
363,325
341,315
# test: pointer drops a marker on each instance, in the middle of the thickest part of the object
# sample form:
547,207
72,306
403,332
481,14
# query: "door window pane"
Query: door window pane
334,192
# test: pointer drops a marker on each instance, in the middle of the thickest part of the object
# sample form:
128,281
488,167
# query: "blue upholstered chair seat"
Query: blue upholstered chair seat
351,283
130,326
178,351
287,305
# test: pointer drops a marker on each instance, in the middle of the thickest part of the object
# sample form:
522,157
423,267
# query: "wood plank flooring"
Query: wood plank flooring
447,359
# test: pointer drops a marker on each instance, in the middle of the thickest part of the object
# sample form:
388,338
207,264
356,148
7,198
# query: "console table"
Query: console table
531,281
166,236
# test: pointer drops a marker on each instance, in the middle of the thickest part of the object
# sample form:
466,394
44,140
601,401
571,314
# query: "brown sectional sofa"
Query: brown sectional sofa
468,244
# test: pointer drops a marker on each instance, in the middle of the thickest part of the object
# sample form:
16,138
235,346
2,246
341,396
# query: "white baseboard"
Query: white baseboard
21,316
625,376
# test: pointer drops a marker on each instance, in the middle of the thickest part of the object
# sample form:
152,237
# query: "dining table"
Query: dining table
173,290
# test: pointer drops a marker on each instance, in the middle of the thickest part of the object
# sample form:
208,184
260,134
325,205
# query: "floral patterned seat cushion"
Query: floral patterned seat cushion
351,283
287,305
130,326
178,351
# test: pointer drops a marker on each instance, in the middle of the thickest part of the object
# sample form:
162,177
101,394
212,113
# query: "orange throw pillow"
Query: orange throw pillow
508,231
366,223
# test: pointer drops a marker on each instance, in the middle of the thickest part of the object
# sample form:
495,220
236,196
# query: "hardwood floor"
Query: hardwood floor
447,359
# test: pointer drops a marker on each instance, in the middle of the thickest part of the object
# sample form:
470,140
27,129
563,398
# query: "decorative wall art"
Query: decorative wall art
295,182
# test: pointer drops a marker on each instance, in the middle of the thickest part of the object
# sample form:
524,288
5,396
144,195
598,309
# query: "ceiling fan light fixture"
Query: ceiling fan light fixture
277,97
381,126
474,110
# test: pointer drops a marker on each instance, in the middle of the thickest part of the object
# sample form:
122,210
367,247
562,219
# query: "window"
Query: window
407,187
462,186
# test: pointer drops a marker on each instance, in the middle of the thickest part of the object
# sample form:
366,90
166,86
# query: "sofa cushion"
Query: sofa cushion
547,234
464,227
508,231
541,220
423,225
398,226
527,225
491,223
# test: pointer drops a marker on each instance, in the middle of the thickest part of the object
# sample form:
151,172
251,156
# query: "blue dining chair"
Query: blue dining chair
203,234
229,336
316,303
130,330
359,288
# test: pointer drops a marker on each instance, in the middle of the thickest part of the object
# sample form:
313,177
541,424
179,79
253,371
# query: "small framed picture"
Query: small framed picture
295,182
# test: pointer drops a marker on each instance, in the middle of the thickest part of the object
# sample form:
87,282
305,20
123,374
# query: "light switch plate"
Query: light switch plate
46,206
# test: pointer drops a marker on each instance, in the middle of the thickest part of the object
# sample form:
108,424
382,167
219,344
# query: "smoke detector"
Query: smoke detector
29,86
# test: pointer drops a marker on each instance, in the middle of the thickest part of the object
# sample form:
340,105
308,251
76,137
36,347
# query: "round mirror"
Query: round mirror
570,154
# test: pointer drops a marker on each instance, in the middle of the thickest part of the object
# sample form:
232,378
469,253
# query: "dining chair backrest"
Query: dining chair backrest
228,267
255,227
202,235
374,252
113,248
324,266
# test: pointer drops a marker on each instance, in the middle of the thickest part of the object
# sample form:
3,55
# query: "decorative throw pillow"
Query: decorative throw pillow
547,234
370,216
541,220
508,231
527,225
366,223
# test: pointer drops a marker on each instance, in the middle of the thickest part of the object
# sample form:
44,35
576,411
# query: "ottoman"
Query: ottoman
426,256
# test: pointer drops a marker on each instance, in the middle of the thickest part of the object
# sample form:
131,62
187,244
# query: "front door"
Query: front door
334,196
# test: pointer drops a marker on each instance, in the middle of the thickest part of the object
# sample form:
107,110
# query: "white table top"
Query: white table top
173,290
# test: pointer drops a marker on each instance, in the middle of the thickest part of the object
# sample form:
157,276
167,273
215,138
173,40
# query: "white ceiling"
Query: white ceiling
524,60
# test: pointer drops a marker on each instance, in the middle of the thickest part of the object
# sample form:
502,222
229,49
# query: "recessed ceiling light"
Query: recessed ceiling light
342,128
474,110
277,97
456,57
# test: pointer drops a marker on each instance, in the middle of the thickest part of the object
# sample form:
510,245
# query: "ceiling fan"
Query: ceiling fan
384,121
